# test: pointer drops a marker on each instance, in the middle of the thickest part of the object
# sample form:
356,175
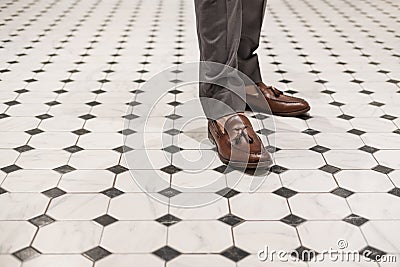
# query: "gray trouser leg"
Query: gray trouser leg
223,40
252,17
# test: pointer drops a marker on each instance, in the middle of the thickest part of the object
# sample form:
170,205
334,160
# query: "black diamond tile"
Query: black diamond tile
388,117
64,169
30,80
329,169
382,169
66,80
41,220
167,253
356,132
172,149
368,149
345,117
377,104
319,149
169,192
53,103
123,149
12,103
96,253
172,132
278,169
112,192
173,117
10,168
171,169
235,254
34,131
265,131
395,191
224,169
133,103
23,148
44,116
3,115
396,131
168,220
139,81
130,116
93,103
304,253
80,131
311,132
2,191
321,81
329,92
174,103
342,192
259,116
26,253
127,132
372,253
54,192
231,219
293,220
285,192
356,81
87,116
73,149
105,220
60,91
117,169
227,192
337,104
355,220
393,81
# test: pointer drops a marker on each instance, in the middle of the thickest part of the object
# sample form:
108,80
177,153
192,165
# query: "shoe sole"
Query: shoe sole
237,164
283,114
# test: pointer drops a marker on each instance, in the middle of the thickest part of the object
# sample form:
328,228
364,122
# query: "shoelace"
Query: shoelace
276,92
242,132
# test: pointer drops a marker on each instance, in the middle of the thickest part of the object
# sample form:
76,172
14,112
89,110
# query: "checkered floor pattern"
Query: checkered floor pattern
70,71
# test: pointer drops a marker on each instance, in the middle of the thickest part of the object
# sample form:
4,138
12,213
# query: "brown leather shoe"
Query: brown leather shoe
238,145
279,103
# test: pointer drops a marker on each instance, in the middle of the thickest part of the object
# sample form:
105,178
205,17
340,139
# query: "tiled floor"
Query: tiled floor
76,156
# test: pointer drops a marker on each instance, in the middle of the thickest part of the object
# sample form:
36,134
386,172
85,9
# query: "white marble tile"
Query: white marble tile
308,180
94,159
31,180
200,236
77,236
375,206
194,260
340,234
198,181
127,260
22,206
299,159
324,206
59,260
86,181
363,181
43,159
258,206
136,206
388,158
15,236
383,235
212,208
339,140
78,206
9,261
53,140
252,260
382,140
253,236
350,159
134,237
264,182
